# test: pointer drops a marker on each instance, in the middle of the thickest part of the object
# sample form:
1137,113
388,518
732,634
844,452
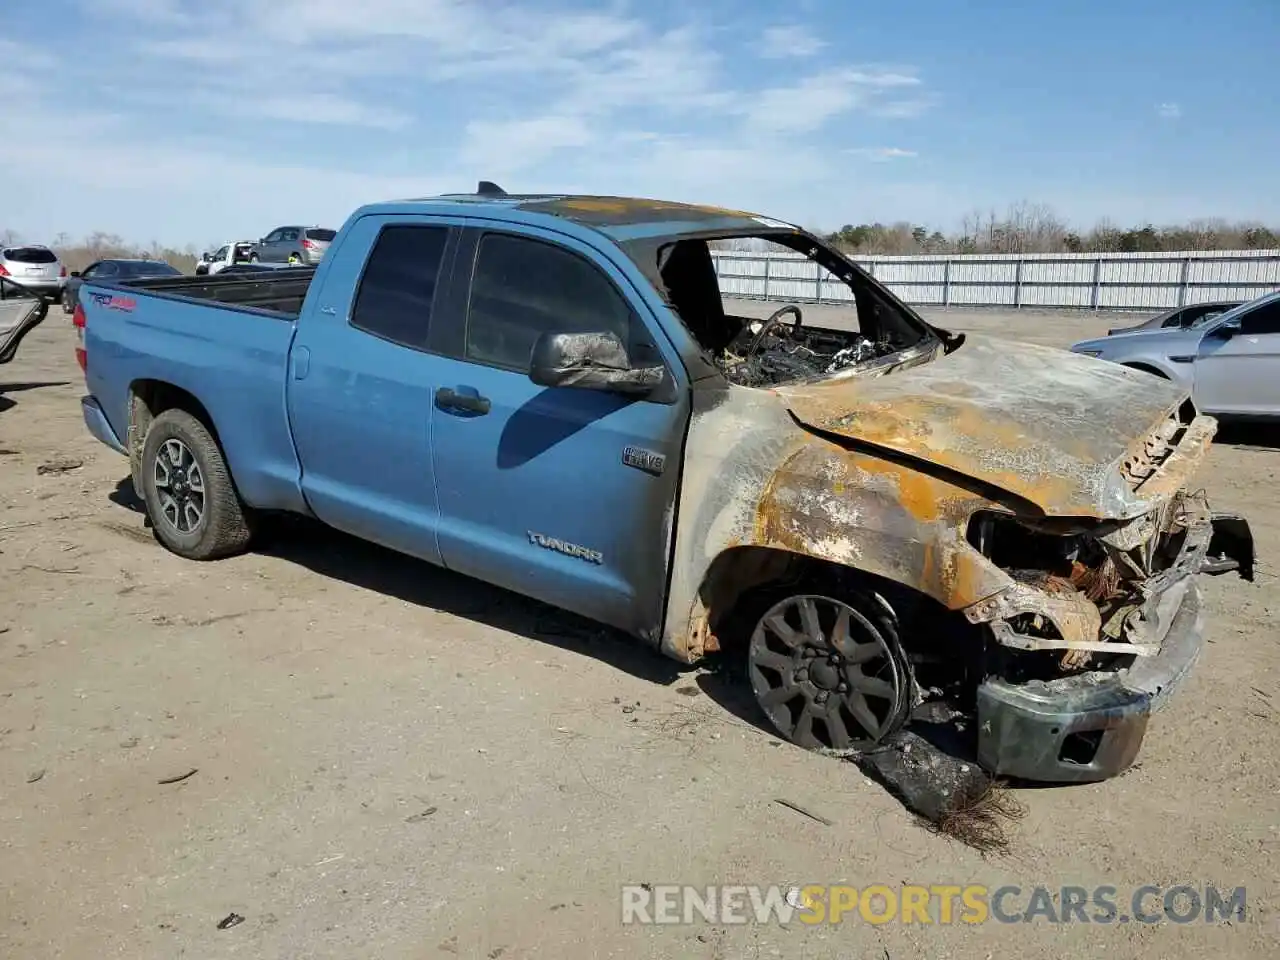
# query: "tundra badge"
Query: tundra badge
568,549
643,459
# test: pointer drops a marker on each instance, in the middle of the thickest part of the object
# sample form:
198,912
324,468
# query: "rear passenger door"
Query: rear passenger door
362,381
562,494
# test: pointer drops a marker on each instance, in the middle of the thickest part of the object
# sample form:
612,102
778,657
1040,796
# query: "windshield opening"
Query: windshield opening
778,308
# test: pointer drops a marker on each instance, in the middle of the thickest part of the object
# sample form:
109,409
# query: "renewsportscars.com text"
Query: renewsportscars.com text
930,904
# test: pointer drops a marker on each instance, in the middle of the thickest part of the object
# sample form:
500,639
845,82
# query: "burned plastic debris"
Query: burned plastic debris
951,795
800,356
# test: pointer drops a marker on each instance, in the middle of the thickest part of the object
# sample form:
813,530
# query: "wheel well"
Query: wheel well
150,398
1146,368
739,574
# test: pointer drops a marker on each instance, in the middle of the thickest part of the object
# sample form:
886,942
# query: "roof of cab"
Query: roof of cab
619,218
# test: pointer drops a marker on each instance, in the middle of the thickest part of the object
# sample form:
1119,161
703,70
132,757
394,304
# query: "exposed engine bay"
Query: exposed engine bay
774,351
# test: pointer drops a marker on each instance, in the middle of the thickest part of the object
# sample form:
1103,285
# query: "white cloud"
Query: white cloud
809,104
504,147
788,40
1169,111
907,109
325,104
881,154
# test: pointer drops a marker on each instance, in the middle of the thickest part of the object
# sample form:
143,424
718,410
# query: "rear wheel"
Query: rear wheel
187,488
827,668
253,258
67,305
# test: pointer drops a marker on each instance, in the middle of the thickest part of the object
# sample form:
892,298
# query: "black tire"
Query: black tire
833,725
224,526
253,258
67,306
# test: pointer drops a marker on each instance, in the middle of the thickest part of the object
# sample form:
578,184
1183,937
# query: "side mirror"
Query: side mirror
75,273
1225,331
590,361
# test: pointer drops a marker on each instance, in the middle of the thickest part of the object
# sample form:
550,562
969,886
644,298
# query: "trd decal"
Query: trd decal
113,302
568,549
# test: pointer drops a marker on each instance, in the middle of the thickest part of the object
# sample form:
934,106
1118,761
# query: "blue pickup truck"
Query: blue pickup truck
550,394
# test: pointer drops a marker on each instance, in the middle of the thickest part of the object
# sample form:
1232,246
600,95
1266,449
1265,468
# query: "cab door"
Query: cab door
563,494
362,382
1237,366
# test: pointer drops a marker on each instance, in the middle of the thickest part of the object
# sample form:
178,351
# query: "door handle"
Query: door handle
449,399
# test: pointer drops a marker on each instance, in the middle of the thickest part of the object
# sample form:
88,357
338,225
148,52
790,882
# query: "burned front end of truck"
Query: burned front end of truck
889,522
1100,619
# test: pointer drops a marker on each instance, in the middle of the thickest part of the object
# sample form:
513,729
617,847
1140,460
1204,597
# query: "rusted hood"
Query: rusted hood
1046,425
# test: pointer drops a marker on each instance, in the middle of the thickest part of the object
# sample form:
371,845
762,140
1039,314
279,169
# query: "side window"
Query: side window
522,288
1265,319
272,237
1180,319
90,272
106,270
290,235
399,284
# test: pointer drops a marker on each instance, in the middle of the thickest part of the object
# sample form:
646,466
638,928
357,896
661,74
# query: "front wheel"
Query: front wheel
190,499
253,258
828,670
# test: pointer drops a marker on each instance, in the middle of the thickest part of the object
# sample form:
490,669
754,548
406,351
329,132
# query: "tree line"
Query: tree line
1034,228
1023,228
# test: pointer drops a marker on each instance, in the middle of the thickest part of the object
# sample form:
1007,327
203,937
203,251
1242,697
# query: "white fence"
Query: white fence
1089,281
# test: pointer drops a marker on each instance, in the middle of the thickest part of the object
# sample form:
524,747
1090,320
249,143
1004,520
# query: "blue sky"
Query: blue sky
196,122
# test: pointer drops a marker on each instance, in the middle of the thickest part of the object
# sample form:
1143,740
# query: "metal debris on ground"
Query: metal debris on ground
180,777
230,920
419,817
35,775
803,812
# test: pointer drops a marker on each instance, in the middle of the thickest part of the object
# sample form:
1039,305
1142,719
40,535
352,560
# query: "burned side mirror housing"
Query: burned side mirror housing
590,361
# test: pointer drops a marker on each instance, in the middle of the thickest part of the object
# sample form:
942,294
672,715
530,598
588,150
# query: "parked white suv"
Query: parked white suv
34,266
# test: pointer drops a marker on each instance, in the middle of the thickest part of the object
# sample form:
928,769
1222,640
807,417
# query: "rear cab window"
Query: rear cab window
397,291
321,234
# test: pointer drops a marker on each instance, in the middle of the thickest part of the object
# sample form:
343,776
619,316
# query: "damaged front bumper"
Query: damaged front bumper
1089,726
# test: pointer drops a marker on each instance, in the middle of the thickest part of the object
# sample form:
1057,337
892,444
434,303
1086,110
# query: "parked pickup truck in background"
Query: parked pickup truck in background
546,392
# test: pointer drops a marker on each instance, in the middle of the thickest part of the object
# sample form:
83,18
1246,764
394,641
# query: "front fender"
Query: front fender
754,478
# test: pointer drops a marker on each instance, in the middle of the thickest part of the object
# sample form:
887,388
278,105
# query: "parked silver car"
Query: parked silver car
34,266
294,244
1231,364
1192,315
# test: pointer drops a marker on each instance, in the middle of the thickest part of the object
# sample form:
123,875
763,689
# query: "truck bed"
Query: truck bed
278,291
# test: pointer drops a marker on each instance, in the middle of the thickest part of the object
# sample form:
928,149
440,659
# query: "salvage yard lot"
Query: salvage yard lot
392,761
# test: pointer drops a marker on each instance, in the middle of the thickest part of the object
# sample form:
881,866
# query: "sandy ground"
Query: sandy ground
392,761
